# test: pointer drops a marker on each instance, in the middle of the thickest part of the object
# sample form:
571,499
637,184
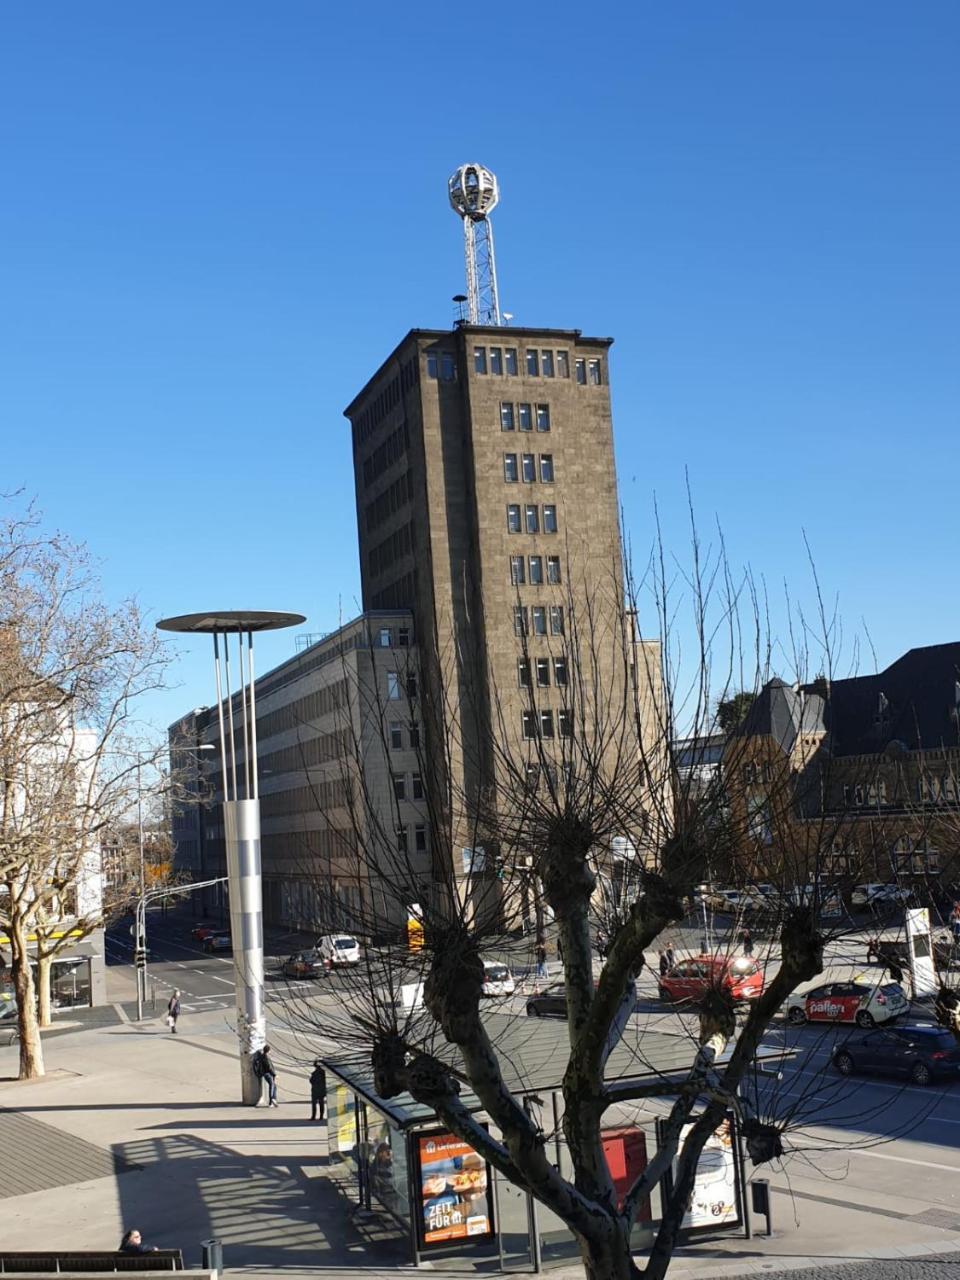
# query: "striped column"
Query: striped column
242,833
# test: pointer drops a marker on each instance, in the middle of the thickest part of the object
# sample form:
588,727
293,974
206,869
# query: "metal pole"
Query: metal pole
233,745
253,715
246,726
223,739
141,942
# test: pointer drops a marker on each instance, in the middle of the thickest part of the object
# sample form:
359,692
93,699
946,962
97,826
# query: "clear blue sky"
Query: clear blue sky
217,219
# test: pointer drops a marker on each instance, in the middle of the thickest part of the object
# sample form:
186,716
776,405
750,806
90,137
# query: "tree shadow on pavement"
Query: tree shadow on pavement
278,1213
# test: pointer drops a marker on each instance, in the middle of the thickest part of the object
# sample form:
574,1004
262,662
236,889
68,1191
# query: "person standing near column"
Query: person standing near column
173,1011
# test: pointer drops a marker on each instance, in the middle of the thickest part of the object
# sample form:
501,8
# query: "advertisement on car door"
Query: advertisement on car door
454,1190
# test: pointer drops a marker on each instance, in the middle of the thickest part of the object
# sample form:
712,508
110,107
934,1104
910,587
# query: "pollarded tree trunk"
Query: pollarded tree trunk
31,1050
44,965
609,1258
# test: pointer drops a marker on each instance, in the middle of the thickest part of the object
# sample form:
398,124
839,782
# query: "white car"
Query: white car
878,895
339,949
860,1001
497,979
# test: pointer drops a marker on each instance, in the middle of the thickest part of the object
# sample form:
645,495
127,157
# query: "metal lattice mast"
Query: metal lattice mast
474,194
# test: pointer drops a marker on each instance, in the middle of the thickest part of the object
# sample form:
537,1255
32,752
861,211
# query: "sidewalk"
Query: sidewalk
144,1130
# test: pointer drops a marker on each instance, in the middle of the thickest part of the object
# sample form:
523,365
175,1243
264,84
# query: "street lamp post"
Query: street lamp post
241,815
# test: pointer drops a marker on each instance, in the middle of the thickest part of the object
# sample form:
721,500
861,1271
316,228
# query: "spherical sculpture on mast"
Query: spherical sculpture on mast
474,194
473,191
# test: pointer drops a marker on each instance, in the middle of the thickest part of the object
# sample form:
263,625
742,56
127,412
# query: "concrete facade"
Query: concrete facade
329,828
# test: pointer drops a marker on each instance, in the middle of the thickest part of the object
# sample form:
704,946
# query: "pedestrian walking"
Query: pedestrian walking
541,954
173,1011
266,1073
664,966
746,941
669,957
318,1090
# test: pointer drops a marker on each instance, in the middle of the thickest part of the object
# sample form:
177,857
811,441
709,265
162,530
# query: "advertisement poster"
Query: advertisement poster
714,1199
454,1190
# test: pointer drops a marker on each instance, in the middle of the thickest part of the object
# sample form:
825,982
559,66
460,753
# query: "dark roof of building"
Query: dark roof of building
914,701
782,711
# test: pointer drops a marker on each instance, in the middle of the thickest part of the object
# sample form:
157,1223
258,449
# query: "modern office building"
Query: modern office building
487,505
339,780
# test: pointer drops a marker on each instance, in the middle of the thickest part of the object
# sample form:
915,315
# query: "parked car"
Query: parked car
217,941
497,979
550,1003
201,931
864,1003
304,964
339,949
9,1028
894,951
690,980
920,1054
730,900
879,896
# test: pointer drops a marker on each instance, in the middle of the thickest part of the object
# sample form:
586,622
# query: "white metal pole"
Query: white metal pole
253,715
246,727
233,745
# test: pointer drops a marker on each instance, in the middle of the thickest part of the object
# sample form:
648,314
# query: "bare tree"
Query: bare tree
600,829
71,670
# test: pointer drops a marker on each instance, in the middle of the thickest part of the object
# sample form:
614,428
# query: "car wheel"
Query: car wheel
844,1063
865,1019
796,1015
533,1011
921,1074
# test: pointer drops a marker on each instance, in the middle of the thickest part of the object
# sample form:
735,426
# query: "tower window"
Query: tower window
420,837
536,571
539,620
513,519
480,359
565,722
560,672
417,783
549,519
510,358
543,417
533,363
399,786
506,415
532,519
581,368
448,367
553,570
546,468
523,673
433,365
393,686
519,620
529,468
546,723
546,363
529,723
593,372
525,414
510,468
516,570
563,365
556,619
496,360
396,736
543,673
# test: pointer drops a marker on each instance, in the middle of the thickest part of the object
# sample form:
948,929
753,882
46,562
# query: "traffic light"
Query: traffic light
140,957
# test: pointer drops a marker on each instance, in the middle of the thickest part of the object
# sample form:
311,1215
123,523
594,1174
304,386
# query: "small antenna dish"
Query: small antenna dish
507,316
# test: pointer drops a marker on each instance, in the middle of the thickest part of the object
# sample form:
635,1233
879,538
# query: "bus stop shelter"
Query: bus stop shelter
392,1155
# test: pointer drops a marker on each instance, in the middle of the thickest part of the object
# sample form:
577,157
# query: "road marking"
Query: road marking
924,1164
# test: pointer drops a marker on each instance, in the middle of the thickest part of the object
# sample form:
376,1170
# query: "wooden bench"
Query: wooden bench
46,1262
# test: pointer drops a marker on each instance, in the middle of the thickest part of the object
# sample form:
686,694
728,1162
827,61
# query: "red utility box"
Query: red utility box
625,1151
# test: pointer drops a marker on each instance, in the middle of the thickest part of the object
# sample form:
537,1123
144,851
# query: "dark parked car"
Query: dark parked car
550,1003
893,951
305,964
920,1054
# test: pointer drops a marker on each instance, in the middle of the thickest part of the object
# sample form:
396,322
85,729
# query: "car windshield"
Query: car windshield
892,989
345,944
496,973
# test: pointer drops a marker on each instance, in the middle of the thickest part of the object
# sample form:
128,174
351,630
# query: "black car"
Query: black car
920,1054
550,1003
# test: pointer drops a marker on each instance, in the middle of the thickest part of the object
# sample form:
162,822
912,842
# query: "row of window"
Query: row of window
530,569
542,669
531,518
527,468
536,617
389,502
393,547
419,838
395,446
407,790
540,724
400,683
523,415
539,362
441,365
388,399
400,732
387,637
400,594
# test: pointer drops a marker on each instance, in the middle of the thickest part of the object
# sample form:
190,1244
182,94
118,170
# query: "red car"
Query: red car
690,980
202,931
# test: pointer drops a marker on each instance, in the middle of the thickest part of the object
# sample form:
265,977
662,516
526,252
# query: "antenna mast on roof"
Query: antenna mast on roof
474,194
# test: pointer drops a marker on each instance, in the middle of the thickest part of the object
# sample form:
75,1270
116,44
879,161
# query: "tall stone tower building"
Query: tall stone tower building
487,504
